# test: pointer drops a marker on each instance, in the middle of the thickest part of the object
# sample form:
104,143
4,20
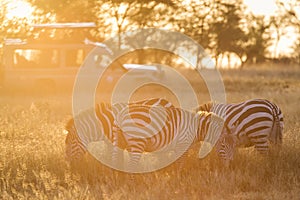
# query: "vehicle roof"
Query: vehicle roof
19,43
65,25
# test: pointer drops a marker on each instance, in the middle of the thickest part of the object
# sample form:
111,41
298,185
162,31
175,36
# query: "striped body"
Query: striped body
133,129
169,127
91,128
256,122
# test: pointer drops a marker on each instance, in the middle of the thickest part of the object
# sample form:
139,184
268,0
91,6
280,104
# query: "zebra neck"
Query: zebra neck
91,127
186,124
203,122
196,126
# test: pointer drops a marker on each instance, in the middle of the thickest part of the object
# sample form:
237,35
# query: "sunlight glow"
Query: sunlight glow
19,9
262,7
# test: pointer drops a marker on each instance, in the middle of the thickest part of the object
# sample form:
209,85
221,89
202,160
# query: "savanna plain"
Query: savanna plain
33,165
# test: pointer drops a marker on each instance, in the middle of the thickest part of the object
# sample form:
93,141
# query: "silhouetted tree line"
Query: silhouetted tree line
222,28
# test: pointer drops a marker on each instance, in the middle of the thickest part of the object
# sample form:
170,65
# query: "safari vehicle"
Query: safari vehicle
36,64
41,64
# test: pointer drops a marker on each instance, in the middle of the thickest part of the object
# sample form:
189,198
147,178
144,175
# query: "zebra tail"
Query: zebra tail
276,133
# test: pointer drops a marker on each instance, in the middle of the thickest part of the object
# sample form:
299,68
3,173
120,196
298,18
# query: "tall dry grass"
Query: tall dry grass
32,163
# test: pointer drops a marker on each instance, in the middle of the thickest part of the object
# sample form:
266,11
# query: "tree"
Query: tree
110,16
3,12
119,16
226,31
193,20
19,27
67,10
281,23
14,27
259,39
292,16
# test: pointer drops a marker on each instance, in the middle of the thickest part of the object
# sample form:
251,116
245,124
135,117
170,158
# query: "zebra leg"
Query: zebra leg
181,151
275,137
117,156
134,158
181,160
135,148
119,142
260,140
262,145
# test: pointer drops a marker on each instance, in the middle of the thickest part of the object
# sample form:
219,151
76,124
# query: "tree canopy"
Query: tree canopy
222,28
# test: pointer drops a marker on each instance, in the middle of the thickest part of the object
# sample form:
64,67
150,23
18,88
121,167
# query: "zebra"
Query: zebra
87,130
180,129
255,122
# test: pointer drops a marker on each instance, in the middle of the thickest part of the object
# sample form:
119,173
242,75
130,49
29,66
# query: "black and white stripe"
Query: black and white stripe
133,129
168,126
256,122
91,128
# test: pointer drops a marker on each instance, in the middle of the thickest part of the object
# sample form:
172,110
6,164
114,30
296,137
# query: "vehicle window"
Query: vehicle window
74,57
36,58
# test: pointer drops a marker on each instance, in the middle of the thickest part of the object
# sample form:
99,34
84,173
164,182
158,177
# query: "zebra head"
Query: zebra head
226,146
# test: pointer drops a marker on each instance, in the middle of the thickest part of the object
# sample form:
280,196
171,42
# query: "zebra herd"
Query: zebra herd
152,124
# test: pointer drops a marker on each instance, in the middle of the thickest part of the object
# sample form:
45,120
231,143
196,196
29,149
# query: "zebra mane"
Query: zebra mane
205,107
202,112
100,106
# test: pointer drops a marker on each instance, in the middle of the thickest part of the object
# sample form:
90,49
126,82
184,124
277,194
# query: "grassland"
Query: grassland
33,166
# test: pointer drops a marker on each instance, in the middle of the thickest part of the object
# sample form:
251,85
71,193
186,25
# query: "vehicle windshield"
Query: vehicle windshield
46,58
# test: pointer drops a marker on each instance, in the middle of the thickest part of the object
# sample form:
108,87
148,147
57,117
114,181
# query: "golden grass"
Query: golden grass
32,163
